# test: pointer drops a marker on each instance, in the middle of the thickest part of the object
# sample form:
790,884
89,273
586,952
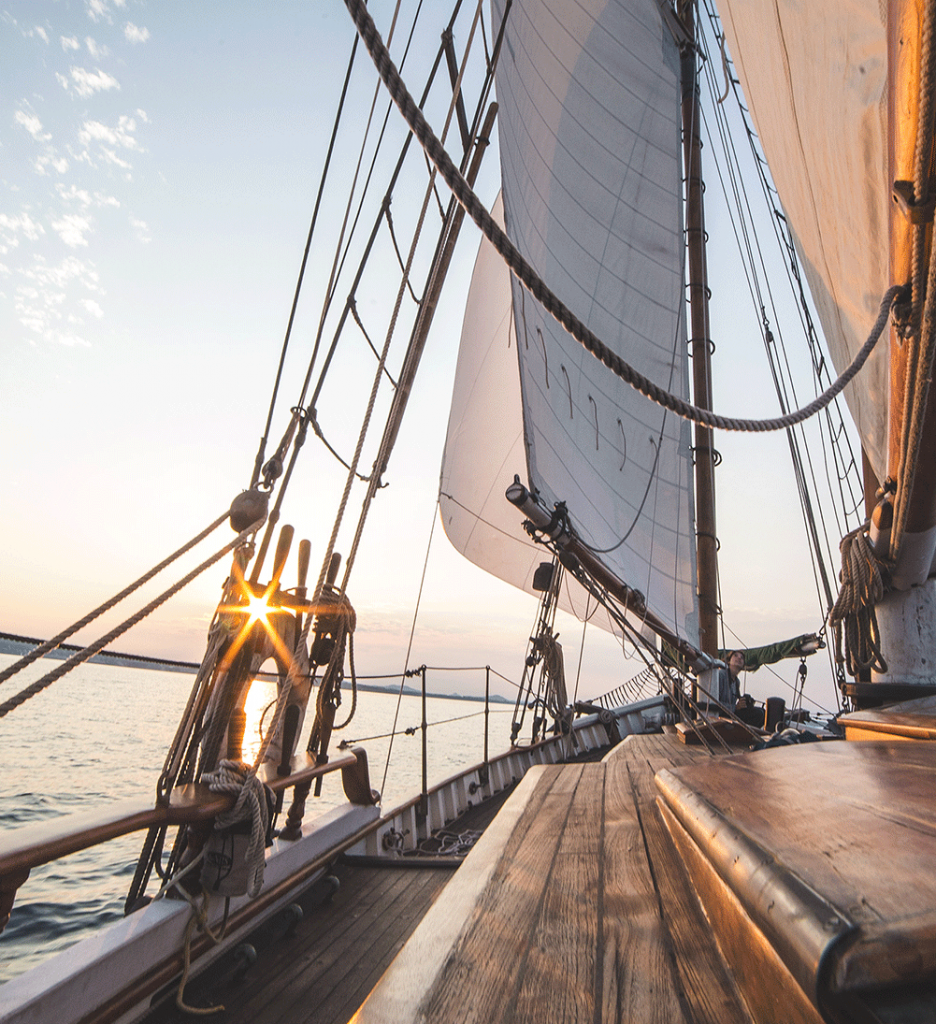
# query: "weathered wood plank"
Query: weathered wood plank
405,990
369,933
494,948
703,978
637,978
563,960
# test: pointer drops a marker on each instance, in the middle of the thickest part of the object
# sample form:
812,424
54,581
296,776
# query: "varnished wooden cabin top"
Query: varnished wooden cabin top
909,720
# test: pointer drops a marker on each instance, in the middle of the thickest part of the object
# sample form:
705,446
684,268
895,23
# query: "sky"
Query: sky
158,165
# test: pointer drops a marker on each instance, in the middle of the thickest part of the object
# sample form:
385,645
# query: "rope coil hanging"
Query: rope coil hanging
240,780
852,617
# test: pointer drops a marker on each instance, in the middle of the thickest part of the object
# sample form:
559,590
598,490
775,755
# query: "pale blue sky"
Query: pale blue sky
158,165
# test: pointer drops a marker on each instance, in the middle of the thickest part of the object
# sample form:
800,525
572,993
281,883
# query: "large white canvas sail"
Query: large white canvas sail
815,77
484,443
591,164
591,174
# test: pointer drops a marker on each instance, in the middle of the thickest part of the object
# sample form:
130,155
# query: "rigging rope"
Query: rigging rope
81,656
537,287
258,462
56,641
923,320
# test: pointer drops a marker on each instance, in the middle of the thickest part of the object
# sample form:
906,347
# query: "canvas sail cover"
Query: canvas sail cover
591,163
815,77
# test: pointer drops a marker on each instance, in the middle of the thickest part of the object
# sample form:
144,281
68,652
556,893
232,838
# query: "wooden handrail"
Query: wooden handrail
25,848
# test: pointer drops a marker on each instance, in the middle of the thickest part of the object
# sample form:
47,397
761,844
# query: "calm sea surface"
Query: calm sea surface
100,734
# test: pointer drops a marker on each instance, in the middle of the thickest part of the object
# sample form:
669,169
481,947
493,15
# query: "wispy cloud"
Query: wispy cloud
96,50
32,124
84,198
100,9
12,228
70,43
59,164
133,34
110,145
72,229
141,230
122,135
38,30
39,303
86,83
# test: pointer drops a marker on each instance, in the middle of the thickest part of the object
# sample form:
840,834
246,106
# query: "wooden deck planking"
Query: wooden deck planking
364,971
637,981
495,947
562,943
705,986
312,988
574,924
565,919
296,978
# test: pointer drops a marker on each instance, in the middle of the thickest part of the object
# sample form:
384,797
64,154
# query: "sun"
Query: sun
257,608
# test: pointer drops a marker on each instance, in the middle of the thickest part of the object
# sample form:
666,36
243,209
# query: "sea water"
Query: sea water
100,735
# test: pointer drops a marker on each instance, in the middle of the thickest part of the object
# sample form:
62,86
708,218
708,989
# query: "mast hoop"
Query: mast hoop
550,302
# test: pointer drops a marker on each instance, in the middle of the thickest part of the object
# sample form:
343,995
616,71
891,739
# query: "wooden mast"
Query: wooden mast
907,615
700,344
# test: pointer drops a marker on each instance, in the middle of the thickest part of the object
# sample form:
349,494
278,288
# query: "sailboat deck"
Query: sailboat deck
611,891
325,969
574,907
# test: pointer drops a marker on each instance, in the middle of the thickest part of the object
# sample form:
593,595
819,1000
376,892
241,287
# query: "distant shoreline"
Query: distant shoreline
11,643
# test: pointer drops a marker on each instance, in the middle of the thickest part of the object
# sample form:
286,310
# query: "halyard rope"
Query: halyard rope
553,305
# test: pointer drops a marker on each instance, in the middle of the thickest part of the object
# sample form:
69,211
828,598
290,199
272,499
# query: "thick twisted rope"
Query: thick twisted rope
922,341
550,302
81,656
852,617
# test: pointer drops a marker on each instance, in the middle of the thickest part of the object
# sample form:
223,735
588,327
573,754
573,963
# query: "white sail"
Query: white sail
591,171
815,77
484,442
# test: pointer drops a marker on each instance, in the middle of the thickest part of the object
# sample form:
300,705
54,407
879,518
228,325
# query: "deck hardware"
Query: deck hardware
293,915
245,956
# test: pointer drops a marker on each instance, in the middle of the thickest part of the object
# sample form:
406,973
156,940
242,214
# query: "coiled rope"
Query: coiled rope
852,617
238,779
550,302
